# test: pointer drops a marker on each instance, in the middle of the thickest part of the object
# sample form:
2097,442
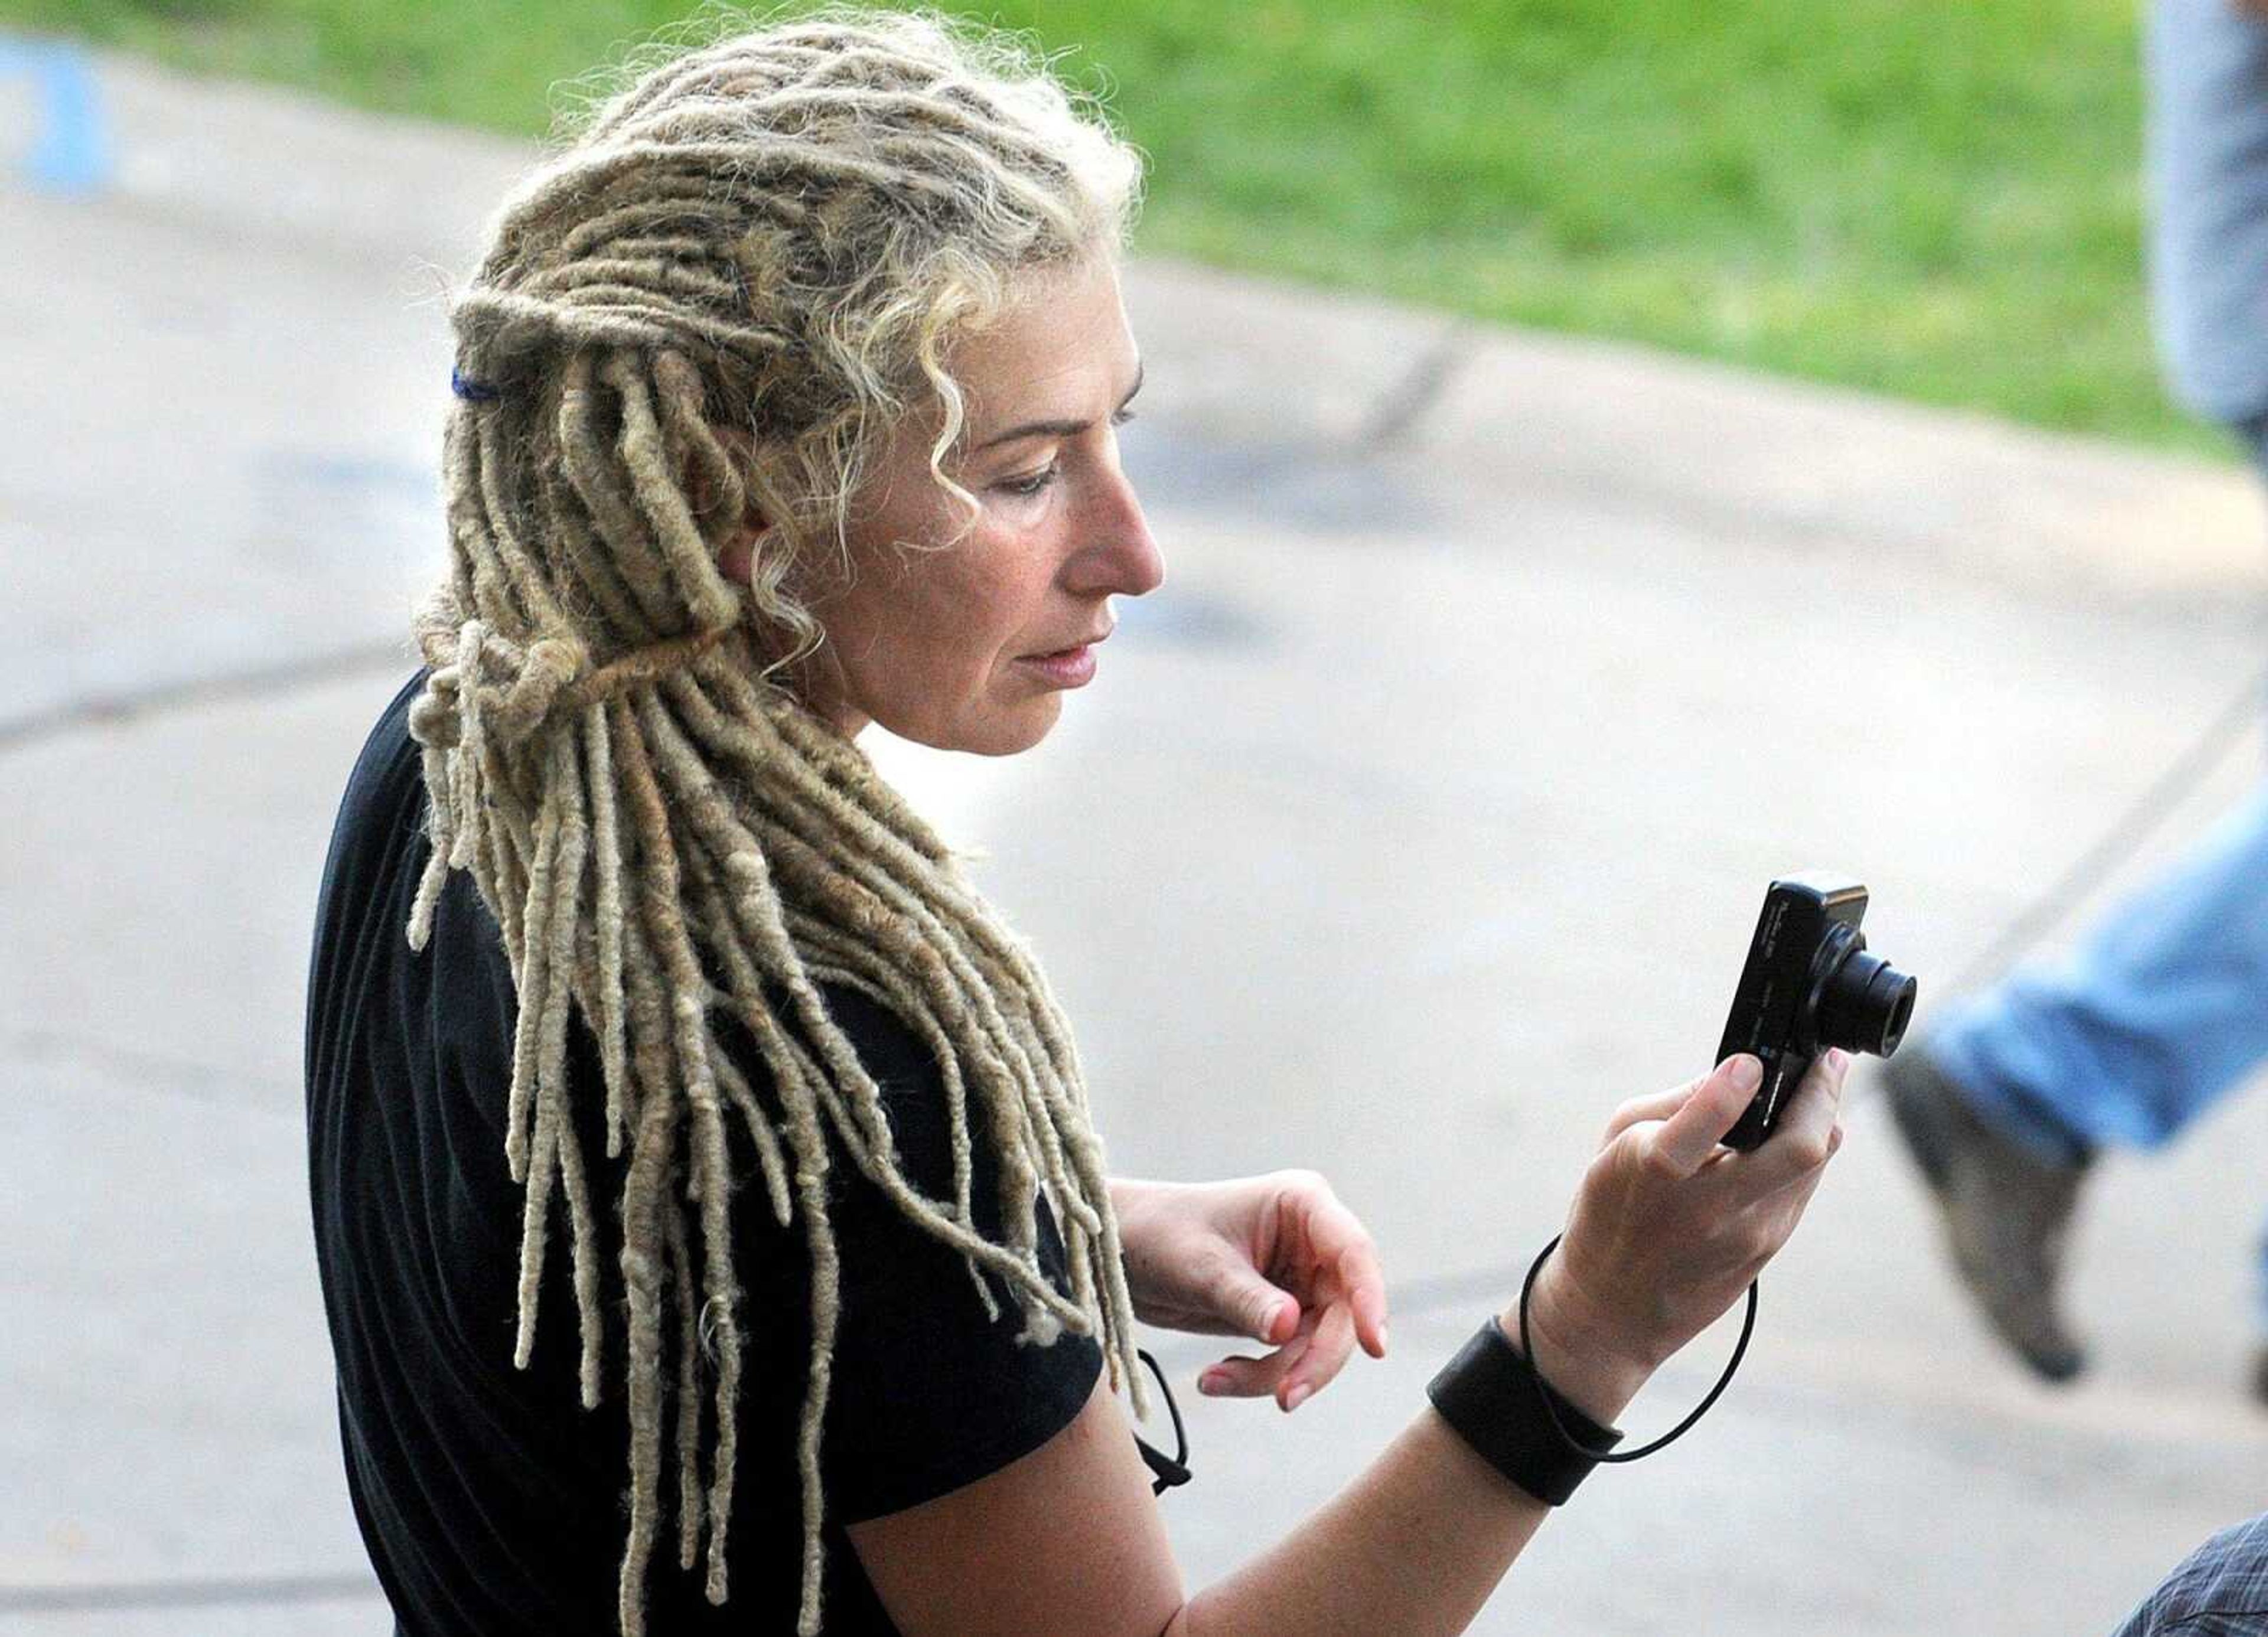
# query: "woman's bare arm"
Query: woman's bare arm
1666,1232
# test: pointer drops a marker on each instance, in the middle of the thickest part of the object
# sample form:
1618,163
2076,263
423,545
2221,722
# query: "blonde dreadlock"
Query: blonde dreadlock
724,294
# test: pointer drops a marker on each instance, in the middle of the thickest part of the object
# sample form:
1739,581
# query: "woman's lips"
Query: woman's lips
1068,667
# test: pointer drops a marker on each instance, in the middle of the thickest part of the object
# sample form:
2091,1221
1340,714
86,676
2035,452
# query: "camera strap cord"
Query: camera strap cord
1166,1472
1545,1391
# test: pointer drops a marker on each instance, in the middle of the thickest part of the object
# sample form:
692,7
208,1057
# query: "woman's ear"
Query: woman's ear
736,553
736,557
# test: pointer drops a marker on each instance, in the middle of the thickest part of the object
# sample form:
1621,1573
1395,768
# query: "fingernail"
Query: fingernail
1747,1073
1296,1397
1211,1382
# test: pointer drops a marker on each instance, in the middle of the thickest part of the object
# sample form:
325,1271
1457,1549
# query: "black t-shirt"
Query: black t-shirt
490,1501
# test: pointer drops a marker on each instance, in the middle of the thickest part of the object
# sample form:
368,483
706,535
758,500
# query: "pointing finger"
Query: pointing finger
1365,1302
1341,1244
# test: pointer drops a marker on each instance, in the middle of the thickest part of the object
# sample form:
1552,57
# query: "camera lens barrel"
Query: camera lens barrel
1866,1006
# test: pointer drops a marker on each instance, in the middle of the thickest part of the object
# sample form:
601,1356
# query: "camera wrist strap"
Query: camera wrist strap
1545,1392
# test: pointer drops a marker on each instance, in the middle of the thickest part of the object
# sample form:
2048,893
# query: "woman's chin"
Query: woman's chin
1026,727
1003,730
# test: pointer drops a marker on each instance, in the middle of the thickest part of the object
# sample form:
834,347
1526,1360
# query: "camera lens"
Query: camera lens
1866,1006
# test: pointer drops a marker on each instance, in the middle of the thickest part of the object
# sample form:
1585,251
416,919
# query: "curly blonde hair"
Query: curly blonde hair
745,271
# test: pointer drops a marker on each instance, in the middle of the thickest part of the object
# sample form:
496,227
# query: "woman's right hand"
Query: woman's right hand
1669,1228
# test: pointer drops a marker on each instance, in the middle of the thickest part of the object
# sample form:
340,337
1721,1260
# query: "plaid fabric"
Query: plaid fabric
2219,1590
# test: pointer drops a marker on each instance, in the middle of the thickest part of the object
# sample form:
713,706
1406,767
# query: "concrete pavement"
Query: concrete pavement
1417,822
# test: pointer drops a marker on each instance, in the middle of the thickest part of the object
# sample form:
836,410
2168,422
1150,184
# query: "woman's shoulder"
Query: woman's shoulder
379,822
901,1064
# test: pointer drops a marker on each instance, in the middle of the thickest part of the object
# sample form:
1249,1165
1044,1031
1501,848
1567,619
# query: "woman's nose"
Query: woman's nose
1118,556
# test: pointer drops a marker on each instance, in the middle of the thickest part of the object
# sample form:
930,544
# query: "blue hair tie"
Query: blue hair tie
471,391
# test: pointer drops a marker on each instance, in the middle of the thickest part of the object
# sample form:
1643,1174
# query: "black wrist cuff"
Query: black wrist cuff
1489,1394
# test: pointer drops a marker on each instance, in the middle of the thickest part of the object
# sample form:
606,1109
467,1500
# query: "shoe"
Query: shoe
2007,1212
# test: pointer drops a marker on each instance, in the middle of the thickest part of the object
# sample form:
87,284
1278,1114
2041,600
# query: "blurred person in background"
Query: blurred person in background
787,399
2162,1009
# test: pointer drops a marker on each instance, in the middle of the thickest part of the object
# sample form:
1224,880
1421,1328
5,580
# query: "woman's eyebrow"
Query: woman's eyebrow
1055,429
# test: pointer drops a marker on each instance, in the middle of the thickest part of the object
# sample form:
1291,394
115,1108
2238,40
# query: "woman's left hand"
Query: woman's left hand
1275,1258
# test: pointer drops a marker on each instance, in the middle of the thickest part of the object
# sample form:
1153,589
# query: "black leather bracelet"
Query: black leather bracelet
1496,1402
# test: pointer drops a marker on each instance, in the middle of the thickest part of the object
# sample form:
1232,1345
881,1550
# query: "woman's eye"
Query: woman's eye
1027,486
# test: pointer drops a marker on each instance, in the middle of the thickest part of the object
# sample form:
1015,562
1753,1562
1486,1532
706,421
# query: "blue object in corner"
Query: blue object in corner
72,151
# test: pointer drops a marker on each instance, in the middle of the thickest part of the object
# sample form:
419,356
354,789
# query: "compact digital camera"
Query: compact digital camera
1809,984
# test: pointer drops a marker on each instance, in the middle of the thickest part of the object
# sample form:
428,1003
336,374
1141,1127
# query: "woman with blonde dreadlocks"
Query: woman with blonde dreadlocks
712,1232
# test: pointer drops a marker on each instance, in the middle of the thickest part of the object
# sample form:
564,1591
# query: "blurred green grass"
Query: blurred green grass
1932,198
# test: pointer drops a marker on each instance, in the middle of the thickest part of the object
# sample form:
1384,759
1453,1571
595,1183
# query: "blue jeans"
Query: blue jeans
2159,1013
2164,1007
2161,1010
